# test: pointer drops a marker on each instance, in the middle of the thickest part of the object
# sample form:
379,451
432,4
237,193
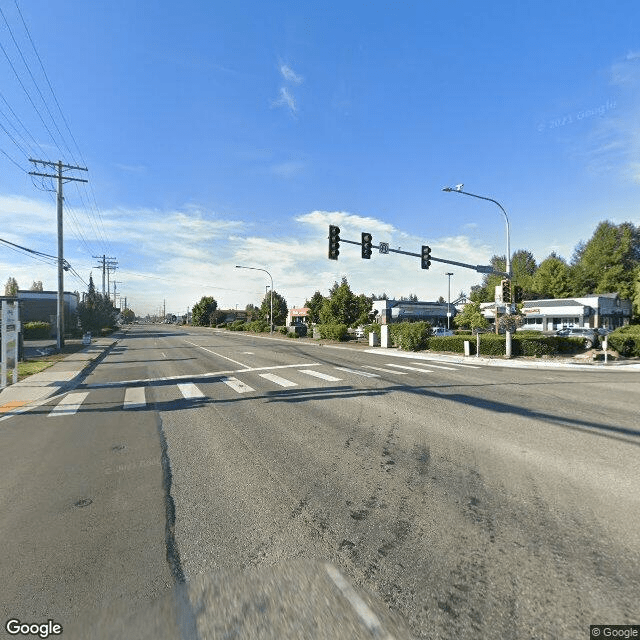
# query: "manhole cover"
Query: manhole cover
83,502
117,447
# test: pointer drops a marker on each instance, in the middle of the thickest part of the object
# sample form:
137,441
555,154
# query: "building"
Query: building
42,306
389,311
605,310
298,316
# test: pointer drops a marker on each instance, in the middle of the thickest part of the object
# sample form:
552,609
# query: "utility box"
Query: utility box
467,348
374,340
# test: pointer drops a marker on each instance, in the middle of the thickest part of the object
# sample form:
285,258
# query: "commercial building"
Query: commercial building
435,313
604,310
42,306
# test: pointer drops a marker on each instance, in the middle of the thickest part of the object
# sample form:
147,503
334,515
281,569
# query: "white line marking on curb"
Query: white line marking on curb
69,405
134,398
357,372
237,385
318,374
283,382
367,616
190,391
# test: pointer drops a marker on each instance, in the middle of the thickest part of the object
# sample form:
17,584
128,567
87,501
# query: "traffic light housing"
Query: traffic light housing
366,245
506,291
517,294
334,242
426,257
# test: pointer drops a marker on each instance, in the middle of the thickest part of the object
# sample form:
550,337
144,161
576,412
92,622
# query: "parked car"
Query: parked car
604,332
590,335
359,333
441,331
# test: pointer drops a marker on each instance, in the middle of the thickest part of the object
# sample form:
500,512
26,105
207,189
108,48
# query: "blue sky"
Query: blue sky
218,134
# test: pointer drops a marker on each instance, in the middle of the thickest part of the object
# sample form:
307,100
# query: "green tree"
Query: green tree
341,307
11,287
251,310
552,279
471,317
96,311
128,315
314,304
280,308
36,286
203,312
607,262
364,304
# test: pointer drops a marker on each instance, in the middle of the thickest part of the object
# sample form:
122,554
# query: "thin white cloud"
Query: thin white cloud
285,100
290,75
288,169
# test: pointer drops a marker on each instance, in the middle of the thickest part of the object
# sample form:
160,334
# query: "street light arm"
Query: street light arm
238,266
506,219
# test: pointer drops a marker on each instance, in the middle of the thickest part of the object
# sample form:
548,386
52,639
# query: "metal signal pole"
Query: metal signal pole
61,180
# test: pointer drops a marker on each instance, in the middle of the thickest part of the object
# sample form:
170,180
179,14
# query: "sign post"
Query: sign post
9,328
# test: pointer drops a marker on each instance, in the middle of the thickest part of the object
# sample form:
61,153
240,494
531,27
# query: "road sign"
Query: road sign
9,328
383,247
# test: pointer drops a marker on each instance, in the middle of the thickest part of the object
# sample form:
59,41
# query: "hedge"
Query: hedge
410,336
626,341
36,330
333,331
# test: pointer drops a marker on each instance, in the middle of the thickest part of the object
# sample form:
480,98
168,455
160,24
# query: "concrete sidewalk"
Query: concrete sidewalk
56,379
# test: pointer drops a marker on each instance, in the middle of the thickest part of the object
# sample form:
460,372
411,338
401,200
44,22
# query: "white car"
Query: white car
441,331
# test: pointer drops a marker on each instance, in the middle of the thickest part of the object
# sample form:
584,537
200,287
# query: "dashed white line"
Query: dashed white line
435,366
134,398
237,385
69,404
189,391
283,382
398,373
402,366
358,372
318,374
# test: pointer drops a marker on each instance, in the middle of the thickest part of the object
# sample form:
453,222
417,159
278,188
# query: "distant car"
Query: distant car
359,332
604,332
441,331
590,335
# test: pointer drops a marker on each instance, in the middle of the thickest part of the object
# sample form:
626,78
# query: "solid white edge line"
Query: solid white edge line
368,617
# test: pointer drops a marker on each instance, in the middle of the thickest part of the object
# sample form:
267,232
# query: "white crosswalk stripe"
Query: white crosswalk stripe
134,398
319,374
69,404
237,385
435,366
403,366
283,382
358,373
399,373
189,391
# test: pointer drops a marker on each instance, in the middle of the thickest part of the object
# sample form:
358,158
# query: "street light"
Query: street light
259,269
458,189
449,299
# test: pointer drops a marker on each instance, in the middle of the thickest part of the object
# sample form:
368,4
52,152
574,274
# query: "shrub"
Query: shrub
372,328
333,331
258,326
410,336
36,330
626,341
237,325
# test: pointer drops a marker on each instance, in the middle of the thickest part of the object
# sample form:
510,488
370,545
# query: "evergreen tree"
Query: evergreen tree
552,279
203,312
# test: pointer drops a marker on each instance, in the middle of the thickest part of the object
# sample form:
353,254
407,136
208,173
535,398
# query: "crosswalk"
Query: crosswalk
138,394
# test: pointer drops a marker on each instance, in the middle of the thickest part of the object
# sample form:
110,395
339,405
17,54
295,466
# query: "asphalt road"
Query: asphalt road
474,501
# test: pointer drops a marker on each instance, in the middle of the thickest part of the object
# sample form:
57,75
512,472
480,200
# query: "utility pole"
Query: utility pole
61,180
111,266
115,283
449,273
103,266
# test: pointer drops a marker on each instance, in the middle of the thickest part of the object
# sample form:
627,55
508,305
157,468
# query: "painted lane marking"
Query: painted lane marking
189,391
191,376
357,372
283,382
402,366
368,617
218,354
237,385
69,404
455,364
435,366
134,398
318,374
399,373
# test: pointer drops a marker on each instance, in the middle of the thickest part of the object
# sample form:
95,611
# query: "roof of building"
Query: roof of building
566,302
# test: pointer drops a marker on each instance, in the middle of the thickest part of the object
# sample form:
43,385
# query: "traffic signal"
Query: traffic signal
426,257
517,294
366,245
506,291
334,242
